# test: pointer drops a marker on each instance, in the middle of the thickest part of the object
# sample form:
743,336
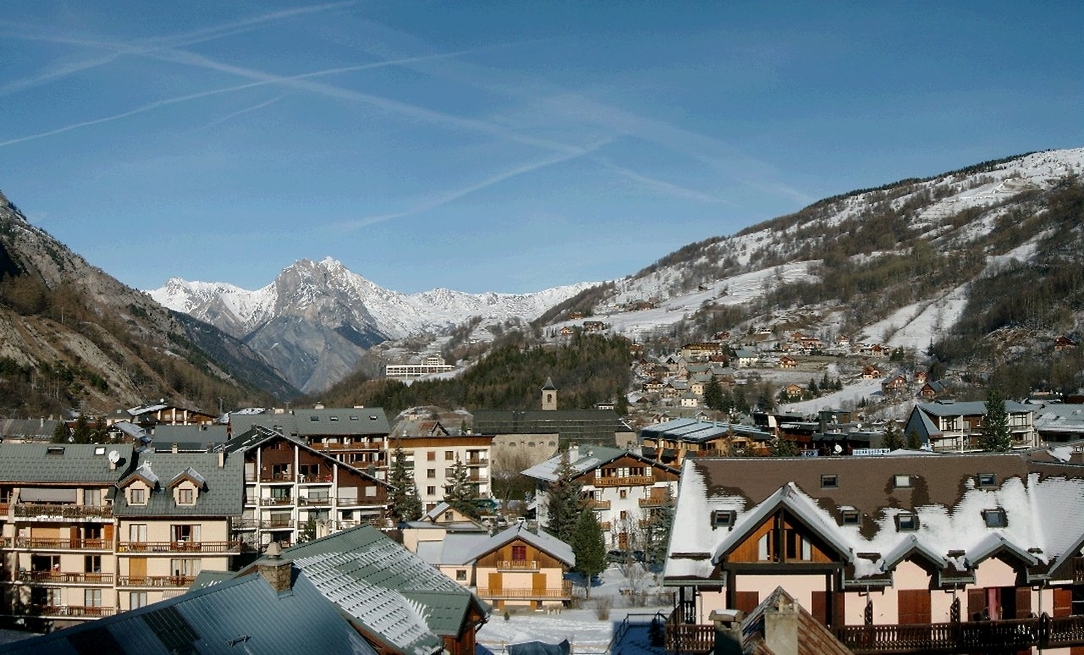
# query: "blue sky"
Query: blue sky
496,146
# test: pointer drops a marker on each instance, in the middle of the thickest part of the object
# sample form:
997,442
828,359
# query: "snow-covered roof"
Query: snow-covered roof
541,540
1042,527
586,458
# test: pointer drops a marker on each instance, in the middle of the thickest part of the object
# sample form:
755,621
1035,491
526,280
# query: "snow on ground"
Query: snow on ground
916,326
586,633
852,393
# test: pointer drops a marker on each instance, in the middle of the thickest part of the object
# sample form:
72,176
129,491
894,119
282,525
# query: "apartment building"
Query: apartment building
89,530
433,459
292,490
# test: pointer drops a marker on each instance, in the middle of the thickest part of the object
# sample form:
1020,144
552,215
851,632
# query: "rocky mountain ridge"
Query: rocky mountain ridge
317,319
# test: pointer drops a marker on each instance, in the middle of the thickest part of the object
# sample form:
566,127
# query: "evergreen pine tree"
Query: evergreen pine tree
783,447
913,441
82,432
589,547
61,432
995,425
405,505
892,438
563,501
459,493
713,394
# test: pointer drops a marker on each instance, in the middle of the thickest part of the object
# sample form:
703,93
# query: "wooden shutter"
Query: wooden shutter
137,567
494,583
746,601
820,607
1023,603
914,605
1063,602
976,603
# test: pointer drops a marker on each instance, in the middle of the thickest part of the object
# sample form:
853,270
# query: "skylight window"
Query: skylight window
986,480
314,418
850,517
901,481
829,481
722,518
906,522
994,518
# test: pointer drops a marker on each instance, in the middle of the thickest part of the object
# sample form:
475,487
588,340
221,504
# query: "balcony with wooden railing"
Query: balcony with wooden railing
624,481
517,565
564,592
157,581
314,500
591,503
1005,636
64,577
41,543
276,477
62,511
476,461
152,547
655,502
72,611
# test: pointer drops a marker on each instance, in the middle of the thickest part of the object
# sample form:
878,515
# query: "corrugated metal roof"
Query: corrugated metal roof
383,585
244,615
318,422
62,463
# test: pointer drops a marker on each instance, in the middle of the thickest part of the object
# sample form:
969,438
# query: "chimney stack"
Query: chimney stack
221,459
277,571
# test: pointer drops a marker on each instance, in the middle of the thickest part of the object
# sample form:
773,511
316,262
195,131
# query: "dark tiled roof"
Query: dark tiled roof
62,464
309,423
244,615
596,426
221,495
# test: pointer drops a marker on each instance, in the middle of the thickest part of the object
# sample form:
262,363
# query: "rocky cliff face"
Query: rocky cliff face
71,335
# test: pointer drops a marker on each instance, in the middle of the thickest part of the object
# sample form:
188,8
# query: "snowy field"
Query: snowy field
585,632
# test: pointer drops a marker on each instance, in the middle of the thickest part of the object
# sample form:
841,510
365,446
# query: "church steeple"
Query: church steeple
549,395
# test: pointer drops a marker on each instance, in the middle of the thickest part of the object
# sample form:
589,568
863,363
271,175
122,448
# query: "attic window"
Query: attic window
986,480
353,418
850,517
314,418
137,496
829,481
372,417
722,518
54,450
100,450
333,418
906,522
994,518
901,481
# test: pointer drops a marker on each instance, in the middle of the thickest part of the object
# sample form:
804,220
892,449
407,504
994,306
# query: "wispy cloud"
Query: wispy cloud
158,104
473,188
663,186
239,112
12,30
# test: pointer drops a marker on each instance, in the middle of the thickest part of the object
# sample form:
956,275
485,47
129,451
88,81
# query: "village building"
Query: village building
622,487
958,426
937,553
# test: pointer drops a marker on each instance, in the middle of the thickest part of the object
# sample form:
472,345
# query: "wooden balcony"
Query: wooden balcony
314,500
1078,570
597,504
272,502
277,477
516,565
151,547
689,638
36,543
62,511
157,581
63,577
78,611
627,481
562,593
1010,635
655,502
476,461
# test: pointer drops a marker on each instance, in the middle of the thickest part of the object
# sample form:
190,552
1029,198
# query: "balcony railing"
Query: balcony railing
278,524
314,500
61,544
689,638
276,501
655,502
307,478
626,481
562,593
276,477
476,461
156,581
517,565
597,504
179,547
63,577
62,511
89,611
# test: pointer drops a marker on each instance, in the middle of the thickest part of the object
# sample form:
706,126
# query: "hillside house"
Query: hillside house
894,385
521,568
787,362
871,372
957,426
671,441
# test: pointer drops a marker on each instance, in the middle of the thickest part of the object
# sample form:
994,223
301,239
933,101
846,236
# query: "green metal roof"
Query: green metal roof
30,463
221,495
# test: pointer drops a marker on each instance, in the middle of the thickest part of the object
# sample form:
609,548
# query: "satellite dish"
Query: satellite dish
838,449
114,457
